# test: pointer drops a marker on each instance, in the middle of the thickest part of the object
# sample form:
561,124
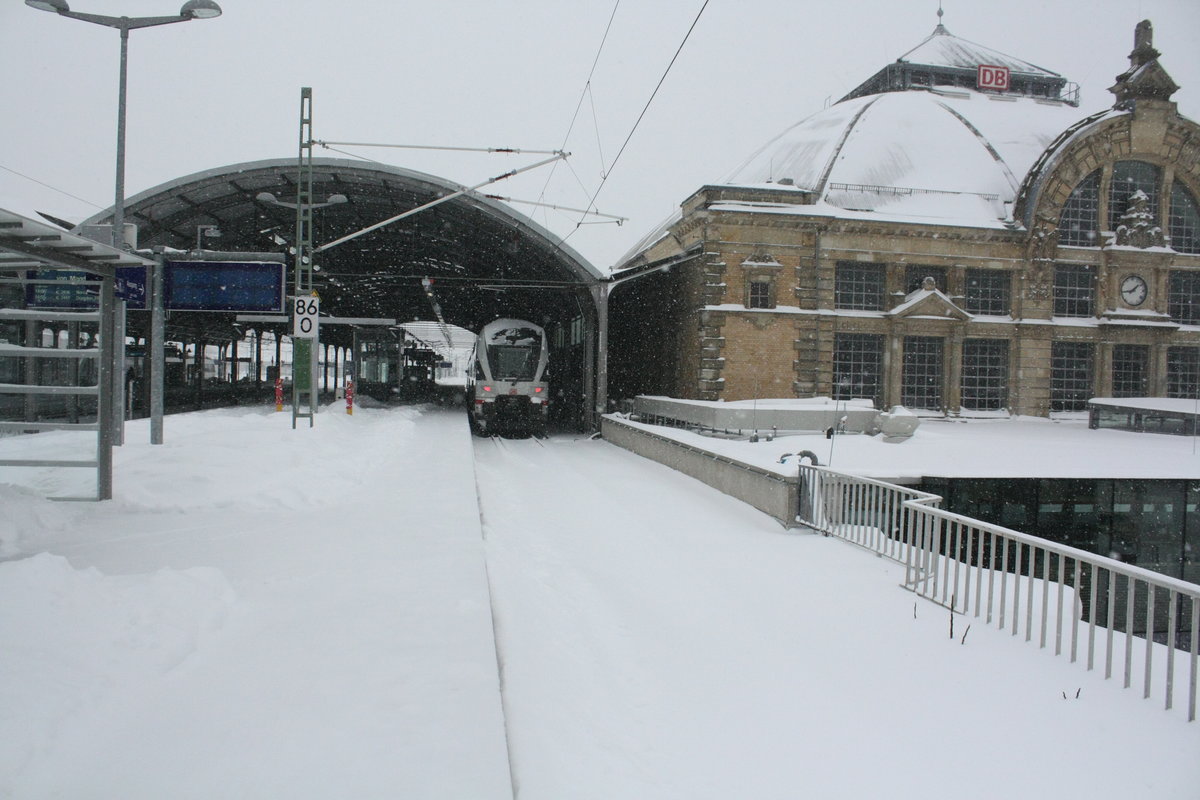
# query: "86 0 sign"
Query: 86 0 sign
305,311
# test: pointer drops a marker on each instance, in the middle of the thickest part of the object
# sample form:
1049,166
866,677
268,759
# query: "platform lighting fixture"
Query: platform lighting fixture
267,197
193,9
206,232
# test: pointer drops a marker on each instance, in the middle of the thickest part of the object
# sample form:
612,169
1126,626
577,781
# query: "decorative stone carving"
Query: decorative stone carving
1137,227
1043,240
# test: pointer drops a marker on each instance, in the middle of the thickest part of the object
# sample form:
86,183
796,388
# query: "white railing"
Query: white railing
1018,582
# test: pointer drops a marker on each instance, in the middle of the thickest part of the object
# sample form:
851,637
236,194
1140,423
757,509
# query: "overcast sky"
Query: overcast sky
210,93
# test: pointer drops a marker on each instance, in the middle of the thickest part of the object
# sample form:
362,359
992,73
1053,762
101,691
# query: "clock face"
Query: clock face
1133,290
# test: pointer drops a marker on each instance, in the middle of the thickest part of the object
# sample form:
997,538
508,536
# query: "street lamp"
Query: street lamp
192,9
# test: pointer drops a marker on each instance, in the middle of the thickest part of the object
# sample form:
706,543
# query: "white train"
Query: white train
507,388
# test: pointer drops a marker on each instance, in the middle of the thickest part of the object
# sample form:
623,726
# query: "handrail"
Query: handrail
1007,577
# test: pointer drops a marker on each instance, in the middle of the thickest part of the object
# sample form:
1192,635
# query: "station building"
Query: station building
957,235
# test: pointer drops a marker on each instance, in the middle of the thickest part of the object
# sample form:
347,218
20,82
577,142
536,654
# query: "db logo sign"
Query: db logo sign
995,78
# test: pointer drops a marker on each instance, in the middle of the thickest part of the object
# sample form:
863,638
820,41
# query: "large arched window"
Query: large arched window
1079,223
1129,177
1185,220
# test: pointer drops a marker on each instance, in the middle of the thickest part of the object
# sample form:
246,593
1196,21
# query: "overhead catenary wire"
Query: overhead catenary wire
586,92
450,148
611,217
439,201
604,179
646,108
50,187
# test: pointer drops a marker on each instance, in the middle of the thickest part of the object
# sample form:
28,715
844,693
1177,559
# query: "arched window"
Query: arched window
1079,223
1185,220
1127,178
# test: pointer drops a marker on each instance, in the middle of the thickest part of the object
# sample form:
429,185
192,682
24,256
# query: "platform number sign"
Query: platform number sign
993,77
305,311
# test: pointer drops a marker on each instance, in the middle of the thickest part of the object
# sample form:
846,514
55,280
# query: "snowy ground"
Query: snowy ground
264,612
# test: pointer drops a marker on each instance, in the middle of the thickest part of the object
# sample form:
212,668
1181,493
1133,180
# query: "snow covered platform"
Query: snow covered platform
262,613
259,612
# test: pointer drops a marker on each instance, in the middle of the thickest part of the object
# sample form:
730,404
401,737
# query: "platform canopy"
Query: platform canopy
484,258
27,244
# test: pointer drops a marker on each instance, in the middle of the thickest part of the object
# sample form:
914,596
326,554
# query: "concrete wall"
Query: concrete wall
774,495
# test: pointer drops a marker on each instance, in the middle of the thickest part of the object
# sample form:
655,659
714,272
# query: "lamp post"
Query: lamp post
192,9
113,355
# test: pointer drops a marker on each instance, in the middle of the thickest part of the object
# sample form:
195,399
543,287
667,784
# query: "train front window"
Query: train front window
513,363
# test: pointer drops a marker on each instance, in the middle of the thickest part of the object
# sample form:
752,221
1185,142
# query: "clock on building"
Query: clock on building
1133,290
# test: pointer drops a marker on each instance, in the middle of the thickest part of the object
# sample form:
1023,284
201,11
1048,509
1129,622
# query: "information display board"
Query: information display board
76,290
224,286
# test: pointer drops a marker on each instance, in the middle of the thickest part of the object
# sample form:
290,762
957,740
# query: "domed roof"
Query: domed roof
957,155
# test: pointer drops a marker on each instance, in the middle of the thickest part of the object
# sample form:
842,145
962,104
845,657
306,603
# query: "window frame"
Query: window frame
861,355
984,375
1183,220
762,299
1183,296
985,300
1130,370
923,373
1079,219
1074,290
1122,187
1183,371
859,286
1072,375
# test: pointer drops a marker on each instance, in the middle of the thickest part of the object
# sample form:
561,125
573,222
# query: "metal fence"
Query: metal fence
1091,606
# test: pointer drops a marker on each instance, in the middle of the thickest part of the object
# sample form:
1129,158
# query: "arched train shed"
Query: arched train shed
484,259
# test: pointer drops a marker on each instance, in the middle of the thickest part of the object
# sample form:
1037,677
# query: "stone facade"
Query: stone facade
767,284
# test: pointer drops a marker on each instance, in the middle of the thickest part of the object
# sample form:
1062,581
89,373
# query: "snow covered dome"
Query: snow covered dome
957,155
916,141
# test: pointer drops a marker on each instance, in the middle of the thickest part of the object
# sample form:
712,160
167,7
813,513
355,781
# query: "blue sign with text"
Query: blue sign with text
224,286
76,290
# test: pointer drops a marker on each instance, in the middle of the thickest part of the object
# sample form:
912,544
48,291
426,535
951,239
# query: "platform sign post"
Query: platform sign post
305,335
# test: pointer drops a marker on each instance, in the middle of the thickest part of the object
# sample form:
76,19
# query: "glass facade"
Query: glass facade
1154,524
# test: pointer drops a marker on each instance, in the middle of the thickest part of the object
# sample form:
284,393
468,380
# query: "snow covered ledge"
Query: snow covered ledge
808,414
772,493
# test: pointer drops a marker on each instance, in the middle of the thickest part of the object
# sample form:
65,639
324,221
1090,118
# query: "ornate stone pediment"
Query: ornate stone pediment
929,303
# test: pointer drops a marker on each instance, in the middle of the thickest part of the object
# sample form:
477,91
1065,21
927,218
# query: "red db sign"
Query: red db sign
995,78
